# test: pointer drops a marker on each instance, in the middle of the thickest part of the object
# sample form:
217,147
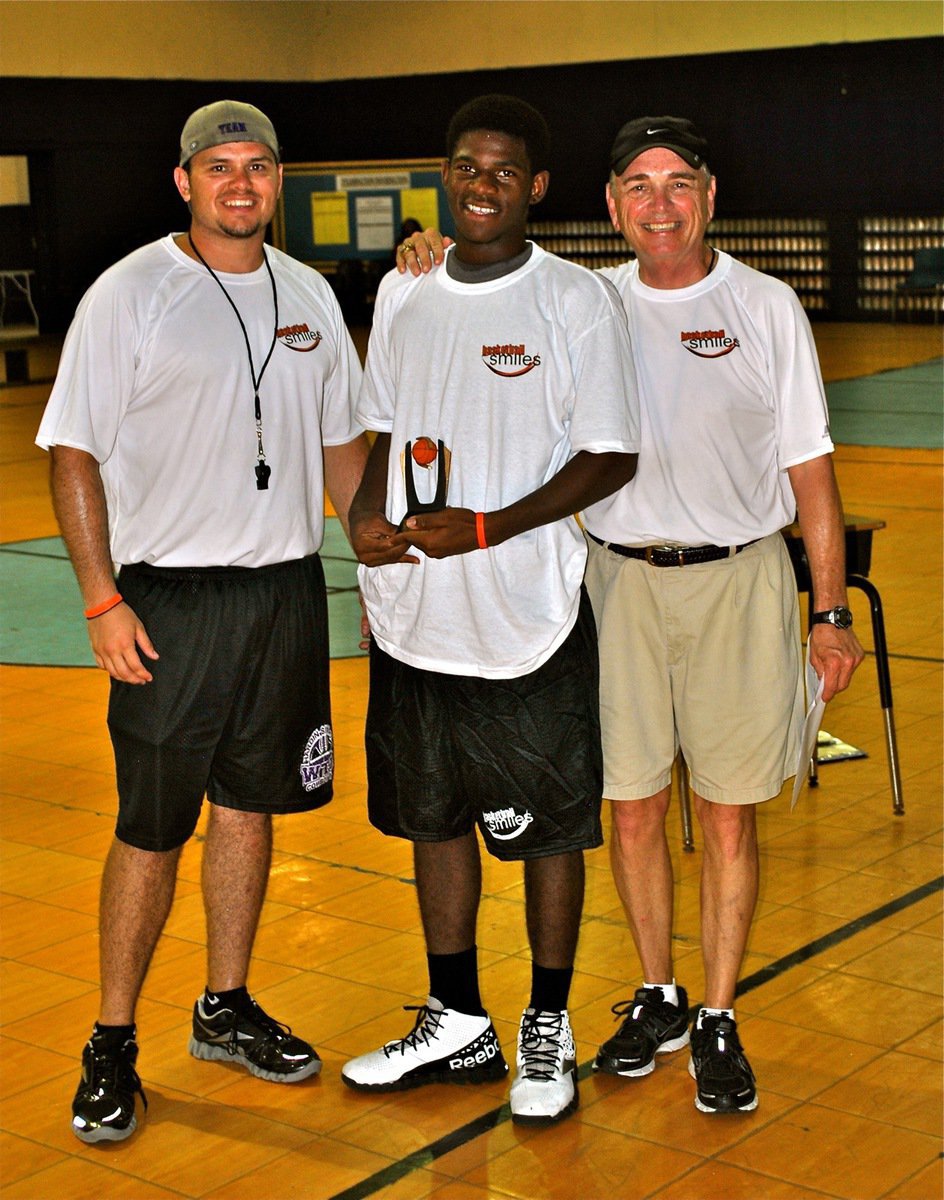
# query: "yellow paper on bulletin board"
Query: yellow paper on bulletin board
330,225
422,204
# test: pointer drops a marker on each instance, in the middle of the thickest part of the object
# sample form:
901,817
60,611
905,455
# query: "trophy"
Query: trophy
433,460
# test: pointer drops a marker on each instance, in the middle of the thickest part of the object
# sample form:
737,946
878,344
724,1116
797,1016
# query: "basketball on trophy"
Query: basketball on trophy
424,452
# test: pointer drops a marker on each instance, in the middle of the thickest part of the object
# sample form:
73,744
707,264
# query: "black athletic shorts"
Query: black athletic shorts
239,708
519,757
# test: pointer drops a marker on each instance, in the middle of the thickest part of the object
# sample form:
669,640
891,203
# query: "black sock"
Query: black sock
550,987
115,1035
454,981
233,999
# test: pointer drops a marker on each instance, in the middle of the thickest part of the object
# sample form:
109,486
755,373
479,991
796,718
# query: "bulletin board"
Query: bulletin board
329,212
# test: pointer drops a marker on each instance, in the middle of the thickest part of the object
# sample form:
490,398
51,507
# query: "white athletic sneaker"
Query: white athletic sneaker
444,1046
545,1088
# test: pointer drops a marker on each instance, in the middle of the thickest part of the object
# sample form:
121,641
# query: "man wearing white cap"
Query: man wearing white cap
204,401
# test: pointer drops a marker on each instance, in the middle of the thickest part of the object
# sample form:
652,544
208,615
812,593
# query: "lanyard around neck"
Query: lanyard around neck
263,470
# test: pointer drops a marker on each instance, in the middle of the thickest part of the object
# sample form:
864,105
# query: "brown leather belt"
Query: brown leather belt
674,556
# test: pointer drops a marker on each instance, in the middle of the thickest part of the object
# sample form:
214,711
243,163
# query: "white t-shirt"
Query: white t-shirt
731,395
514,376
154,383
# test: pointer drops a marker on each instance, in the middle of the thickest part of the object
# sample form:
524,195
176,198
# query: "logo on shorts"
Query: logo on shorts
317,767
506,824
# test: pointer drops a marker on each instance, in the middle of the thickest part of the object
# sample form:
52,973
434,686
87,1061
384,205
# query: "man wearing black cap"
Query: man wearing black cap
694,596
204,401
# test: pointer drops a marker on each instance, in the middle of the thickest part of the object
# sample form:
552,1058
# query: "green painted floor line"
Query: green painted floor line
930,370
41,608
901,408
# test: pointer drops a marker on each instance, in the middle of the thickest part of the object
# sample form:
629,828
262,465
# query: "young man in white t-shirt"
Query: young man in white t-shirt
503,397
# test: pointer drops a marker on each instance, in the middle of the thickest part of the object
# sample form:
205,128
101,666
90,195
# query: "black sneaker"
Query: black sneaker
103,1108
720,1069
250,1037
651,1026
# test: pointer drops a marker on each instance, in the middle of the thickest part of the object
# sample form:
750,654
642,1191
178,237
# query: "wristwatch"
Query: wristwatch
839,616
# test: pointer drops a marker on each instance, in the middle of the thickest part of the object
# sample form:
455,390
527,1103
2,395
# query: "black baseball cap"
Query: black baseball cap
643,133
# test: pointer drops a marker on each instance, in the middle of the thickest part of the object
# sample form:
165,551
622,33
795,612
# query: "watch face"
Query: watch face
838,616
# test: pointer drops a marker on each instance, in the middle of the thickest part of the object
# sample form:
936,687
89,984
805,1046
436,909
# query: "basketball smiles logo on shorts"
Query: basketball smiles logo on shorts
506,819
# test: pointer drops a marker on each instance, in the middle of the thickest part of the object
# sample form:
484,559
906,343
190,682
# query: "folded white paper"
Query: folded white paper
814,717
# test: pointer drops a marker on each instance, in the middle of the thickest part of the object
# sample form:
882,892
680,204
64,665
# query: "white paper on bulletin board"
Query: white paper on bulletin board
374,216
422,204
329,220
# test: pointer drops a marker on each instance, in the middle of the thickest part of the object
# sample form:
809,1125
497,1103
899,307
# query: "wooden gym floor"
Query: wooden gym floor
841,1013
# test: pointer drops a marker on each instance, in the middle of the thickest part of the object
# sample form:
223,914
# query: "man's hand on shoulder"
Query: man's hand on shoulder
422,251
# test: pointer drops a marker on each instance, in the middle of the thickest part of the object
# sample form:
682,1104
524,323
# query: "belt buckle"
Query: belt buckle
651,551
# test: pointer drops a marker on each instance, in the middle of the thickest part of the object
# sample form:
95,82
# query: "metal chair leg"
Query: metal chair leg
685,805
884,684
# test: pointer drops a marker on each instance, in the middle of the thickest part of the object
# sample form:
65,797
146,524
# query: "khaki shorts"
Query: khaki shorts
703,658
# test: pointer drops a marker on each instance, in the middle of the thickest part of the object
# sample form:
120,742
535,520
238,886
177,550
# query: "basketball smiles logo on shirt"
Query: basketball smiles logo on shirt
509,360
299,338
708,343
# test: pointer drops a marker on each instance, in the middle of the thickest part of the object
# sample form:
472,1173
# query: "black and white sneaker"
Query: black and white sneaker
545,1087
103,1108
651,1026
444,1046
725,1081
248,1036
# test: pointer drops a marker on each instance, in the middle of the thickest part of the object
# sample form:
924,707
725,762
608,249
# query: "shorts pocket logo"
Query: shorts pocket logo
317,766
505,823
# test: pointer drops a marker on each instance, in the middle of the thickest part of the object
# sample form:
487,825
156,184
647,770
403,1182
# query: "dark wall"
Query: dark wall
830,131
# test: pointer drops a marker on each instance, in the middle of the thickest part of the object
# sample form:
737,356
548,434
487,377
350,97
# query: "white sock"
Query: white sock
669,991
715,1012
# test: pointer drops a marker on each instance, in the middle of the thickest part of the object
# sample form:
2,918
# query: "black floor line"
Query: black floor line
9,549
843,933
497,1116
